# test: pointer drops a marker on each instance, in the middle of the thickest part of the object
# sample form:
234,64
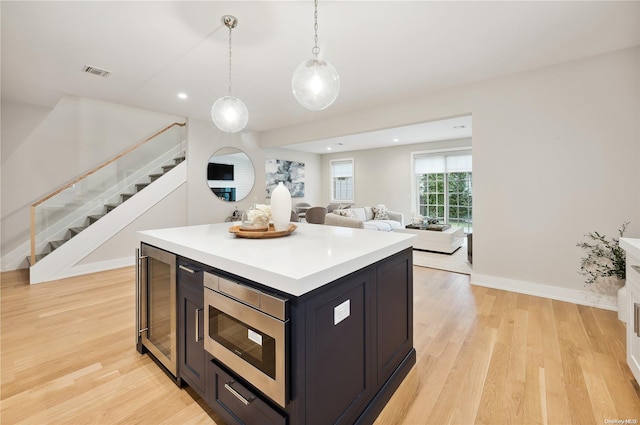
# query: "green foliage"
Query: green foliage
604,258
451,192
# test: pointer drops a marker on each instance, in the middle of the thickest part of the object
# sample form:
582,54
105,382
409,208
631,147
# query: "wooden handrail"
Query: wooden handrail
84,176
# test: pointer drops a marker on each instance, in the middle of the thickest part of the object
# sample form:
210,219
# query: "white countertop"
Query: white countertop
310,257
631,246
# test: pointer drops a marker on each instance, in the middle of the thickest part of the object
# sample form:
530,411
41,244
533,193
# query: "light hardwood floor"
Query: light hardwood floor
484,356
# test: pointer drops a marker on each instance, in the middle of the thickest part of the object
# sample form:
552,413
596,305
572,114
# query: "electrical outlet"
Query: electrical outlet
341,312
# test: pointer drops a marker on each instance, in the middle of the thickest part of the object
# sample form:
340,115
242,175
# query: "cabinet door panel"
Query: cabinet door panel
194,356
394,314
338,378
191,350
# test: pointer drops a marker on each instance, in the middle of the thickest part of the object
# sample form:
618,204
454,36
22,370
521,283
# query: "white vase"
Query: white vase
623,303
281,207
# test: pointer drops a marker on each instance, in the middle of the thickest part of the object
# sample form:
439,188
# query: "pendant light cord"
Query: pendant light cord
316,49
229,61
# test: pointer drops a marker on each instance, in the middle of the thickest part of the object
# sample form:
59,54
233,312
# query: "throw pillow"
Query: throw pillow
380,212
345,213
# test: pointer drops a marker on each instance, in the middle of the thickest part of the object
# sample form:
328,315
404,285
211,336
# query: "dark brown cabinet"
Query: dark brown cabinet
393,315
338,351
353,344
191,365
350,344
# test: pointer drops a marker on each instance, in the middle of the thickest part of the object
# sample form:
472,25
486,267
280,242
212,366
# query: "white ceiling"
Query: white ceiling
384,51
446,129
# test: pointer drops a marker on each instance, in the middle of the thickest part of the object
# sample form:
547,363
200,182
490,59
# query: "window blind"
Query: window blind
438,163
342,168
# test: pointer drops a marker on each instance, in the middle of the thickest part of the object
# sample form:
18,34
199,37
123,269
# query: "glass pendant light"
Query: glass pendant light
315,83
229,113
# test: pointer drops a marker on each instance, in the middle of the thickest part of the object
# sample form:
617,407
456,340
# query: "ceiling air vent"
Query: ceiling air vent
96,71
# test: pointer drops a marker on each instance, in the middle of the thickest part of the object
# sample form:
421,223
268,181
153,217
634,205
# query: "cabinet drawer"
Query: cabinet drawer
237,404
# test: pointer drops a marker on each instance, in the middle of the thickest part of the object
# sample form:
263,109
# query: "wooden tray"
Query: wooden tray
271,233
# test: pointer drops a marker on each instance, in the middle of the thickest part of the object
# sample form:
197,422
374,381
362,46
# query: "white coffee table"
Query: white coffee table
446,241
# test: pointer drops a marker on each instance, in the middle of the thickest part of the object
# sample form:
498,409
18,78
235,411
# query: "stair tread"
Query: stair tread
38,258
56,244
94,218
110,207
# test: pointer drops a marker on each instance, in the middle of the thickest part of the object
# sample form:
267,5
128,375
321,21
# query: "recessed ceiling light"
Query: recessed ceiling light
329,148
182,95
396,140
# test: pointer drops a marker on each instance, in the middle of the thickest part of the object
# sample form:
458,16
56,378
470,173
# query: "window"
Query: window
444,187
341,180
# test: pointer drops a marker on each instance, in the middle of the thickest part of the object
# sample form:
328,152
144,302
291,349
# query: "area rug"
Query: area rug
456,262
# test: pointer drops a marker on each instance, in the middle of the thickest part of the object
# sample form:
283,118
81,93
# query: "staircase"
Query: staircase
91,219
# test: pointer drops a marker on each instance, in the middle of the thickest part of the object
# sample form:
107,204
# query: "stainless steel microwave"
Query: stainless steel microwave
248,330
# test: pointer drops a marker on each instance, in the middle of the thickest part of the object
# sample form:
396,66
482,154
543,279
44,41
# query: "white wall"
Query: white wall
383,175
18,122
555,154
44,149
555,150
204,139
312,170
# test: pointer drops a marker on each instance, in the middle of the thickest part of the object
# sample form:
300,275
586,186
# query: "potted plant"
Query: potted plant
605,265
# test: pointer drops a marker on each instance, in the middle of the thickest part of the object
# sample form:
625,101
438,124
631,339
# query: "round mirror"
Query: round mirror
230,174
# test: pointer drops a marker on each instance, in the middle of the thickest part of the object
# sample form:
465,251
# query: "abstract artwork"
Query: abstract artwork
291,174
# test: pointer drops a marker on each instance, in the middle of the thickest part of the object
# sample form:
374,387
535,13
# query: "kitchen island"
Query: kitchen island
344,304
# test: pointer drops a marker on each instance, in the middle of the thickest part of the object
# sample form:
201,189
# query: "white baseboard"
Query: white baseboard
588,298
96,267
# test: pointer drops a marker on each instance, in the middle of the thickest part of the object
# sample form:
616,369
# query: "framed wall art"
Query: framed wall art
290,173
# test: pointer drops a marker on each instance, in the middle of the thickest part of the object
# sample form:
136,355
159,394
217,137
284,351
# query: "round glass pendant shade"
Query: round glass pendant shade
315,84
229,114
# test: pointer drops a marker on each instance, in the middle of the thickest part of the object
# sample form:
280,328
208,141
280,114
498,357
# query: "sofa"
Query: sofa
371,218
